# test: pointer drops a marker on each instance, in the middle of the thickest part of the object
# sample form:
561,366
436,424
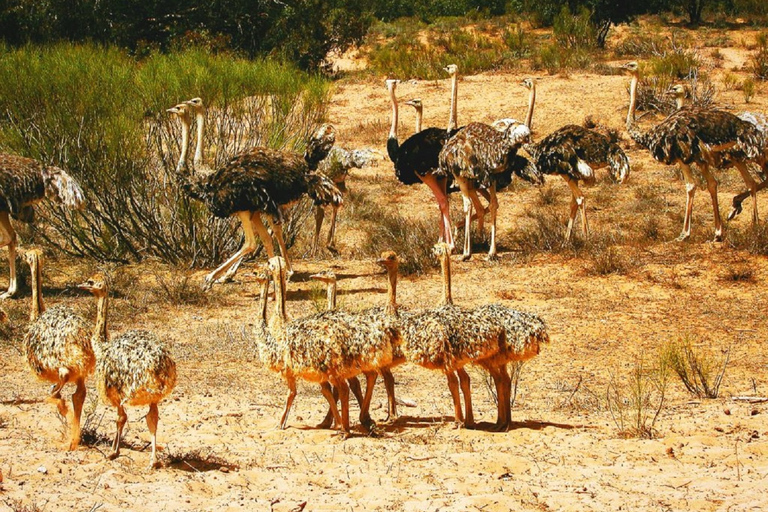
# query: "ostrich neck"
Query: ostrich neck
680,102
280,318
391,290
38,307
100,332
200,117
418,119
181,166
453,117
393,99
445,264
531,103
263,302
331,296
632,101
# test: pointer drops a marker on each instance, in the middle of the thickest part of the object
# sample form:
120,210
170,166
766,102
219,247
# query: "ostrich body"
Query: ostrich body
327,348
24,182
58,348
447,338
706,137
335,167
416,159
260,180
574,153
475,157
523,335
134,368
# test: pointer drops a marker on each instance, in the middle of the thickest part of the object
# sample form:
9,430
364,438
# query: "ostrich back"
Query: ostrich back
60,338
261,180
479,152
524,333
21,184
135,368
561,152
418,154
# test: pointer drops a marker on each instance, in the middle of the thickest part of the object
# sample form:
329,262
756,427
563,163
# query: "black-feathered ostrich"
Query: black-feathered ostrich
24,182
574,153
706,137
476,157
416,159
258,181
761,122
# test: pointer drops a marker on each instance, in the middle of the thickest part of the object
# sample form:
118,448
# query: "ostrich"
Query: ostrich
58,348
447,338
478,155
24,182
327,348
574,152
335,167
260,180
707,137
736,158
416,159
134,368
506,122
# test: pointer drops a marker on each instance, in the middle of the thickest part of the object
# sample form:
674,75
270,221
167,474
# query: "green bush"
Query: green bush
760,58
101,115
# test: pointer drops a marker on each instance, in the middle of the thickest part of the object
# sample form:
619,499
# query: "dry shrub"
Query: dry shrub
753,239
741,272
759,63
197,461
636,401
700,370
19,506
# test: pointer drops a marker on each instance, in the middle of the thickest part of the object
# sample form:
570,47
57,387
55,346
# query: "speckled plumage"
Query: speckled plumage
562,151
524,333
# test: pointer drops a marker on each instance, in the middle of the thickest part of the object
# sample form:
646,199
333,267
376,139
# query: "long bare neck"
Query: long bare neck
453,116
445,264
38,307
393,100
280,318
184,145
531,103
331,295
680,101
200,118
263,301
418,119
392,289
632,100
100,332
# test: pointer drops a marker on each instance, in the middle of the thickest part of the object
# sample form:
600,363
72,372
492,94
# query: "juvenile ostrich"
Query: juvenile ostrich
134,368
705,137
335,167
476,156
574,153
327,348
260,180
416,159
449,337
23,183
58,348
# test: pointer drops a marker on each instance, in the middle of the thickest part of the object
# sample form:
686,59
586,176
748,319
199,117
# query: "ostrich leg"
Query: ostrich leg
690,189
738,199
438,188
8,237
577,203
250,222
712,187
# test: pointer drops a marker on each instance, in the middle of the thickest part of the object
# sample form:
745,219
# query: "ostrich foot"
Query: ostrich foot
735,210
683,237
113,455
8,295
466,257
498,427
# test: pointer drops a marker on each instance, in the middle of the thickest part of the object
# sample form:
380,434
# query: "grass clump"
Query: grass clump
700,371
636,401
753,239
760,58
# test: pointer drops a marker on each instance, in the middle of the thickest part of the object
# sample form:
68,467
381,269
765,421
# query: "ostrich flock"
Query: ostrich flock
335,347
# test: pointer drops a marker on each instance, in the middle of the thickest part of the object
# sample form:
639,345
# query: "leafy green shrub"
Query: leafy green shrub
517,41
574,30
101,115
748,88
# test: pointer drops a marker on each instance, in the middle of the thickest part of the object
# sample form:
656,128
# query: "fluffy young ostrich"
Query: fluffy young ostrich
476,156
574,153
447,338
134,368
260,180
328,348
416,159
24,182
58,348
705,137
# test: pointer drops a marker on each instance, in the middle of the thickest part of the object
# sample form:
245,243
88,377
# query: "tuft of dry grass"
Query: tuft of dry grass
636,401
700,370
197,460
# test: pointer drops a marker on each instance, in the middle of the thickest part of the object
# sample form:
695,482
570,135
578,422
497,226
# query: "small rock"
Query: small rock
1,476
224,469
755,412
727,412
43,470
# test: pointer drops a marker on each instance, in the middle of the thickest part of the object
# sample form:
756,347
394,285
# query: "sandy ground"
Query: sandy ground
566,452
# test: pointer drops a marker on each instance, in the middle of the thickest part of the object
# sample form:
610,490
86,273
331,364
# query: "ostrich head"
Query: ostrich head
195,103
388,260
677,91
33,256
451,69
392,84
325,276
415,103
96,284
632,67
527,83
441,250
261,274
320,145
62,188
182,111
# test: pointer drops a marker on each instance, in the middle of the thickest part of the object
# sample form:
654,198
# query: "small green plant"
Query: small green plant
760,58
748,88
517,41
636,401
730,82
700,371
